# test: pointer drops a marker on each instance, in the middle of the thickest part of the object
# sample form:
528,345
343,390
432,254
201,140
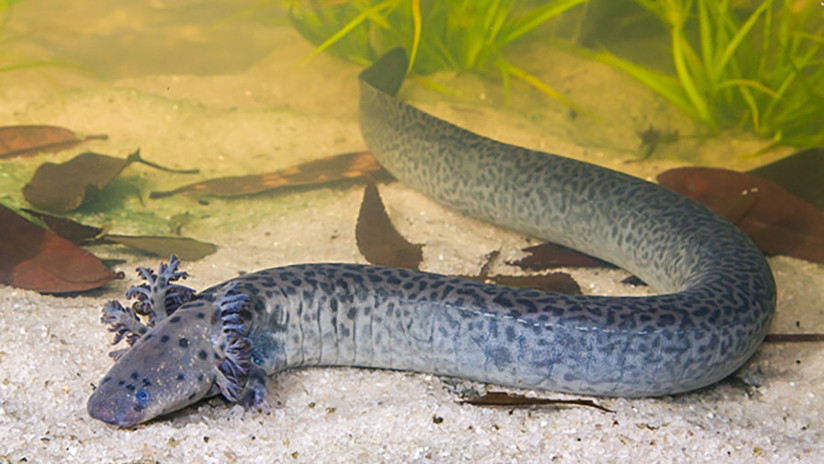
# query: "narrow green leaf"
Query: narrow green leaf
536,17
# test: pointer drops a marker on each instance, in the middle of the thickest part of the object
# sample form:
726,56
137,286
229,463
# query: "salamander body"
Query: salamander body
716,302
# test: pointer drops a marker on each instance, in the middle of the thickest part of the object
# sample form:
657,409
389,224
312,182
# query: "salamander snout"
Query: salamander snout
170,367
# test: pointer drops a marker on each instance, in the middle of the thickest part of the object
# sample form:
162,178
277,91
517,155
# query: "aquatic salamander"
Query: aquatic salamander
716,300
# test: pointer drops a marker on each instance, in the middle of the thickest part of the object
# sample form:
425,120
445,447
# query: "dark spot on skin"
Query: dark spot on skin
164,339
105,379
192,396
130,387
217,356
174,319
134,375
180,377
201,315
183,342
202,354
146,382
200,378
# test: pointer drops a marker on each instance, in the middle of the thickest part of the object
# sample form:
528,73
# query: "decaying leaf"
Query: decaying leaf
794,338
778,222
551,256
72,231
30,140
740,206
378,240
557,282
322,171
801,173
380,243
512,400
187,249
34,258
65,186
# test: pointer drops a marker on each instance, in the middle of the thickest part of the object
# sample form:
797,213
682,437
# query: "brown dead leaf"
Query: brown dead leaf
512,400
801,173
30,140
318,172
557,282
187,249
72,231
550,256
62,187
778,222
34,258
794,338
378,240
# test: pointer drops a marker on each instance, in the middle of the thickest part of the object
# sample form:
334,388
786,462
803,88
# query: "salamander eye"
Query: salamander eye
142,397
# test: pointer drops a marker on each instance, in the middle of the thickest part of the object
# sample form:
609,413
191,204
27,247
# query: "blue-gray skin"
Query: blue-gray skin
717,292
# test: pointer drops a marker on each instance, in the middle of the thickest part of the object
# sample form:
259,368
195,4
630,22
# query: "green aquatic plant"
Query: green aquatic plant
456,35
757,68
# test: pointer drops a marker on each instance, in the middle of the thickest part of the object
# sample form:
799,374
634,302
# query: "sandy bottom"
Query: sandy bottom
273,114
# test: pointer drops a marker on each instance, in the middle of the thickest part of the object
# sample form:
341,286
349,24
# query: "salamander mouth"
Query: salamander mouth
104,408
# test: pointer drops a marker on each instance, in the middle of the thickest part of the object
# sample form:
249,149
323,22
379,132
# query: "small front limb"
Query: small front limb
255,392
233,347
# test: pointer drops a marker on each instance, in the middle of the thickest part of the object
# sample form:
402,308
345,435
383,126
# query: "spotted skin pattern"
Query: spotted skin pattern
716,301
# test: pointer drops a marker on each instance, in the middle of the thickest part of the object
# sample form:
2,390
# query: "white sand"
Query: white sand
53,349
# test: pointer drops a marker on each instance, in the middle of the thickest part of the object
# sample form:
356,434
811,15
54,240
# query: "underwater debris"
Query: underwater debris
802,173
652,138
72,231
378,240
348,166
35,258
777,221
187,248
62,187
29,140
513,400
550,256
84,235
558,282
381,244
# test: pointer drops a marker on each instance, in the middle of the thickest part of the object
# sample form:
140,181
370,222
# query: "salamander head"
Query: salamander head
170,367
